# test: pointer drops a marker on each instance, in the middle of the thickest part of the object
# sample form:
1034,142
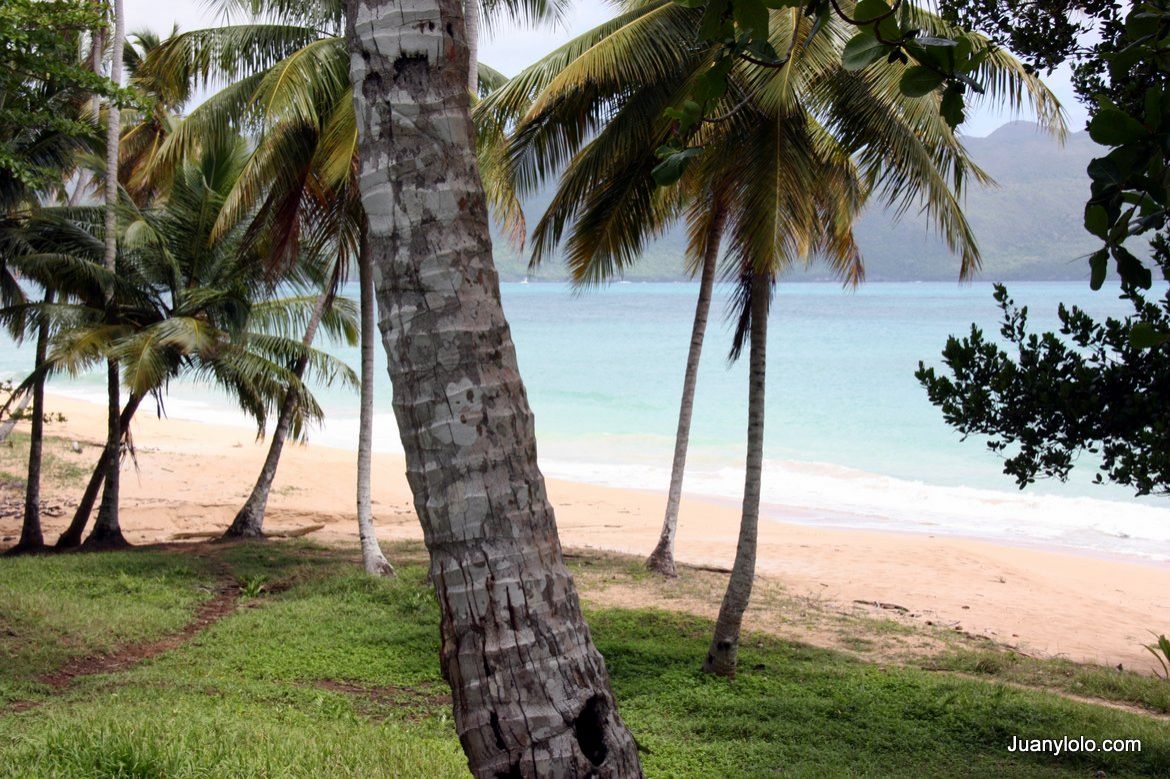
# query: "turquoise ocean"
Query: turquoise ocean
851,439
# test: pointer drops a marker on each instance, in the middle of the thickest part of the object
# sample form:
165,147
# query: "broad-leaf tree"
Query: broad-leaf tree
1093,387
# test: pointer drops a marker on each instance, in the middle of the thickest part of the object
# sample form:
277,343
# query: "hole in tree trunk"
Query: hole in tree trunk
589,728
495,721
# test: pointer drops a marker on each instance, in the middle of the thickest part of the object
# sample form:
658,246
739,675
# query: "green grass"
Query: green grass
1093,681
53,609
329,673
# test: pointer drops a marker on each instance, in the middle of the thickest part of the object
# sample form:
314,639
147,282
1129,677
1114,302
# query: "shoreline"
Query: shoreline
192,476
835,515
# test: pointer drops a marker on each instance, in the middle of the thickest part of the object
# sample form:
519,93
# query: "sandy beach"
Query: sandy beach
192,477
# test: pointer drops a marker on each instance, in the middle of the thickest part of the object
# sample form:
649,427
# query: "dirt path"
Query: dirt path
224,602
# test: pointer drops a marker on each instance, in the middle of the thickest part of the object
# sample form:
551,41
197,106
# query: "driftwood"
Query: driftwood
297,533
708,568
886,606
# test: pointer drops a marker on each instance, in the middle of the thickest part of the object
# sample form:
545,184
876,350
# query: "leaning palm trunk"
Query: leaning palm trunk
249,521
32,539
107,531
721,658
8,425
374,561
72,536
531,693
661,559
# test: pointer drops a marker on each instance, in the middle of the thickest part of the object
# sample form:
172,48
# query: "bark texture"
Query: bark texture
661,560
471,12
71,538
249,521
724,652
32,538
113,138
373,559
531,693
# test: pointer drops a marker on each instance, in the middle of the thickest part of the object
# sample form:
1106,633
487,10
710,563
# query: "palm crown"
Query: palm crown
188,301
793,151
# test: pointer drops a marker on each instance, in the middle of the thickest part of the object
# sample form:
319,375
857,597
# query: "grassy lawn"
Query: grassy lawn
322,671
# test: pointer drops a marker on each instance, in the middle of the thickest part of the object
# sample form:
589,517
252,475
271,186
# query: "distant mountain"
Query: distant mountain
1029,227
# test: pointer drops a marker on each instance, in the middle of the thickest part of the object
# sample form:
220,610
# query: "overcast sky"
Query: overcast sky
510,48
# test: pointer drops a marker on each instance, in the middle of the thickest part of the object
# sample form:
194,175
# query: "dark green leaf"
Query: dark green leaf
862,49
919,80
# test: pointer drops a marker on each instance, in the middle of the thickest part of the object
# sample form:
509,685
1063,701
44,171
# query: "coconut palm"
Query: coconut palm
531,693
577,109
905,153
292,88
107,533
189,302
51,153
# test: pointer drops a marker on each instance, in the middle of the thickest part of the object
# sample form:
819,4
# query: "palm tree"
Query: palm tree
107,532
294,90
607,200
44,150
531,694
189,302
373,560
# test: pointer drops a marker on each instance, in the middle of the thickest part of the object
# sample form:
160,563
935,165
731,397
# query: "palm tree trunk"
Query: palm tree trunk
249,521
107,531
32,538
721,658
71,538
373,559
531,693
95,56
661,560
8,425
471,11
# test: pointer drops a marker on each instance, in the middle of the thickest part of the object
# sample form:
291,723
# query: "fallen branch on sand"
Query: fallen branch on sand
297,533
886,606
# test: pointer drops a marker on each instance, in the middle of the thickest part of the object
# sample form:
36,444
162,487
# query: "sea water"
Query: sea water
851,438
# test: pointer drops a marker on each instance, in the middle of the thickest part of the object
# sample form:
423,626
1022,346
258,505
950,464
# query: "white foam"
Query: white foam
830,495
804,492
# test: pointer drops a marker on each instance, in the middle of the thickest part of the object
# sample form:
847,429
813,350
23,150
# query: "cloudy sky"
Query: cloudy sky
510,48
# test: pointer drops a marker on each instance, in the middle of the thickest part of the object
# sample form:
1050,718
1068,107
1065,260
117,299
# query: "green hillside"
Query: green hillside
1029,227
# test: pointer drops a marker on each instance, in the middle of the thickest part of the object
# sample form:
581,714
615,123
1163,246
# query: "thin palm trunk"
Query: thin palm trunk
249,521
531,693
373,559
471,12
95,56
723,654
107,531
32,538
661,559
71,538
